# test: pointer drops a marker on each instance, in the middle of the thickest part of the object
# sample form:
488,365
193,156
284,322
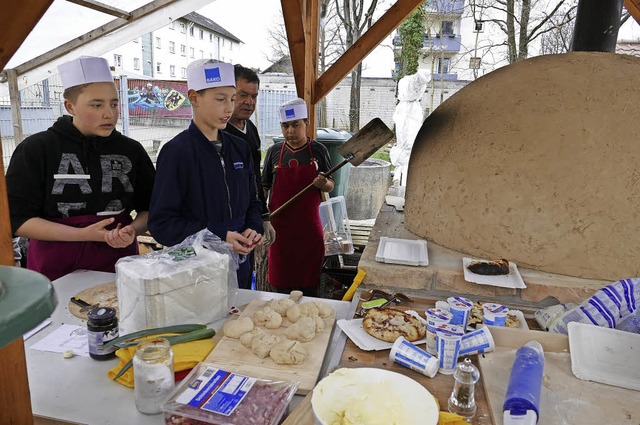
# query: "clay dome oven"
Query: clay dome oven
539,163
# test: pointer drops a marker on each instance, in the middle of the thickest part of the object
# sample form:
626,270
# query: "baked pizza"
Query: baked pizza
388,324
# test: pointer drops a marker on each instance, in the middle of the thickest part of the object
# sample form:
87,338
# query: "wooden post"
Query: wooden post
16,107
15,399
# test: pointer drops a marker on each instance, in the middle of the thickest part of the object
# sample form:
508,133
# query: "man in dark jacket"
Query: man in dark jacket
206,176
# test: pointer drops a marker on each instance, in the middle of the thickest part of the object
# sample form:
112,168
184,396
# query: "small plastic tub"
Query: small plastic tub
435,317
449,343
494,314
460,308
476,342
408,355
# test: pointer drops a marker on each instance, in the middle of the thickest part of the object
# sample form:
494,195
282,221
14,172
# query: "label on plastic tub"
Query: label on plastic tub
478,341
408,355
217,391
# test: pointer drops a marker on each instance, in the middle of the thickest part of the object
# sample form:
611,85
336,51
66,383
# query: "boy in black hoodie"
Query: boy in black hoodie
72,188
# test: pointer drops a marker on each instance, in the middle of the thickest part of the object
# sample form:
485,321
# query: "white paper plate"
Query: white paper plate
402,251
511,280
353,329
605,355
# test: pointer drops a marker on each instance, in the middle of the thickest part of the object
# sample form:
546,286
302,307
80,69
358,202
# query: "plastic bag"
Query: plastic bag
192,282
614,306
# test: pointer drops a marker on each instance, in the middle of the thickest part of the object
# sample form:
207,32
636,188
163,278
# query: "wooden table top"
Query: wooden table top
440,386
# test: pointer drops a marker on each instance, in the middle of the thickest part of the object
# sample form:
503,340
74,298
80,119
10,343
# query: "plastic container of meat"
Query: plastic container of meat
210,395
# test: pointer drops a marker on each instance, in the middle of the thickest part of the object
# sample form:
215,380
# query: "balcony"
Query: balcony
448,7
449,43
445,77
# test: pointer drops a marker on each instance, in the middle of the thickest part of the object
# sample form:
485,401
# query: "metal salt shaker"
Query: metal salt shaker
462,400
153,374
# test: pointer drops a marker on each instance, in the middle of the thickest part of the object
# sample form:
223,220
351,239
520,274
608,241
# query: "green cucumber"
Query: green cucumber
123,341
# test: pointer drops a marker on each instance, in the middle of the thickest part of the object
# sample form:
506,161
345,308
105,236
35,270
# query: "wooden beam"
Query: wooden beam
143,20
17,19
101,7
292,12
633,6
363,46
312,22
16,105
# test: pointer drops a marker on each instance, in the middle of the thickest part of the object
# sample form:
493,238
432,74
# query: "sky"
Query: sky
65,21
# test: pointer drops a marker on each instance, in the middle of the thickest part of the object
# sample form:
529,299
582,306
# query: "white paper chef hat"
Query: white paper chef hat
292,110
207,73
85,70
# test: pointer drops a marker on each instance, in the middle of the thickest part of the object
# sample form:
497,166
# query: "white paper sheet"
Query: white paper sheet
66,337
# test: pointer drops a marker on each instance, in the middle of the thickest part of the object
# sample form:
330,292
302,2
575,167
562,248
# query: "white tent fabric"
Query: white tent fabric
408,118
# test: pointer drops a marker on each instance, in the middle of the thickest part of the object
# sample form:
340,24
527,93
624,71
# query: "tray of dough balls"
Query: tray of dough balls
278,339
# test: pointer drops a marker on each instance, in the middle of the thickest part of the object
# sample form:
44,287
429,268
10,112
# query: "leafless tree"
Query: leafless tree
356,17
523,21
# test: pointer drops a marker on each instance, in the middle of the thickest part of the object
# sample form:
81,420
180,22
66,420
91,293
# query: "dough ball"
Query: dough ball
324,309
281,305
304,330
268,317
235,328
295,296
319,324
293,313
309,309
288,352
247,338
262,344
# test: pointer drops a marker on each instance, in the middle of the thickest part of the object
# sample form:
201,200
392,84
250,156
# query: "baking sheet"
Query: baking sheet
354,330
511,280
402,251
605,355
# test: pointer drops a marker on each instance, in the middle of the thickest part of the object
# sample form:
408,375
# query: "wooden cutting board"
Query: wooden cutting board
230,353
104,295
564,398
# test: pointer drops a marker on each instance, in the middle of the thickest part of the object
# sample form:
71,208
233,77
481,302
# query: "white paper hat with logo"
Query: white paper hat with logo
208,73
295,109
85,70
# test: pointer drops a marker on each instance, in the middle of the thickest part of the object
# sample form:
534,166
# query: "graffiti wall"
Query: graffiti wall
158,99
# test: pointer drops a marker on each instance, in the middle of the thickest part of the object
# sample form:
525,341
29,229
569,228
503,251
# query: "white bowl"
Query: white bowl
370,396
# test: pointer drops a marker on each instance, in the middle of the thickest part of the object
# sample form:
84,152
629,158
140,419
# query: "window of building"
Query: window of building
201,54
443,65
478,26
158,43
192,52
231,45
172,47
183,72
191,31
447,27
211,37
172,70
136,63
183,50
183,27
474,63
117,61
223,42
172,25
201,35
159,67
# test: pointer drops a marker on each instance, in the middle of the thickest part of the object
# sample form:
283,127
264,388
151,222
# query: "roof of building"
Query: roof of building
209,24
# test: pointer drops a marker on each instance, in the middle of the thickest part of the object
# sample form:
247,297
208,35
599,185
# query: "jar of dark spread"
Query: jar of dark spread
102,324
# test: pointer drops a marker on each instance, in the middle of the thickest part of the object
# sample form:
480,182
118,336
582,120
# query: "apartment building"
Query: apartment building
165,53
